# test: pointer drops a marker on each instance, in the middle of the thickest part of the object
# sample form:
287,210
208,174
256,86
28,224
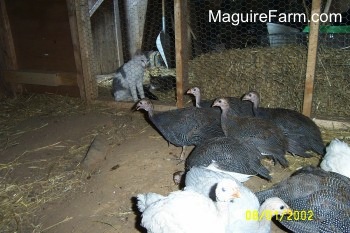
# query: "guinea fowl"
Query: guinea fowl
185,126
302,133
203,181
320,198
242,108
262,134
337,158
229,155
188,211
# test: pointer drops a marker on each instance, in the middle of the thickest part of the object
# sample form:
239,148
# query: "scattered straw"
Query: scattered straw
63,221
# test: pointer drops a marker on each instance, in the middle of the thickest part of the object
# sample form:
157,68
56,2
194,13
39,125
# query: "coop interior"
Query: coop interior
72,71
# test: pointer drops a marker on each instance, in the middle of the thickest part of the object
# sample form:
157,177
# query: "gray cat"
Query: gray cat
128,79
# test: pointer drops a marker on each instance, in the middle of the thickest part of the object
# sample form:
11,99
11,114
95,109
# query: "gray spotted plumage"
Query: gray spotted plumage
325,195
184,127
302,133
262,134
228,154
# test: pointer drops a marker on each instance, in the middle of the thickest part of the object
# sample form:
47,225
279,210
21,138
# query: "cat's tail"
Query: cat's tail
104,77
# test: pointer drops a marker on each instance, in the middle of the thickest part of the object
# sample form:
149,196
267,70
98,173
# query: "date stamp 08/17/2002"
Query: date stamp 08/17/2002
296,215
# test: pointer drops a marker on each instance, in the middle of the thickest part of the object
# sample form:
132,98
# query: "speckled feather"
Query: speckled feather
228,154
264,135
302,133
186,126
326,194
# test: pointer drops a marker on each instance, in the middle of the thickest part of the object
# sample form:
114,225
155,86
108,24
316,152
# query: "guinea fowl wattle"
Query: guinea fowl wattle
262,134
301,132
185,126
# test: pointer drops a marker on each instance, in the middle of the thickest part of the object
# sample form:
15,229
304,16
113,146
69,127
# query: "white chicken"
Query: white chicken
337,158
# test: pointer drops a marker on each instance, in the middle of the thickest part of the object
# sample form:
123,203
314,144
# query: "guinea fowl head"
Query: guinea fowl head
253,97
197,94
276,206
194,91
227,190
222,103
144,104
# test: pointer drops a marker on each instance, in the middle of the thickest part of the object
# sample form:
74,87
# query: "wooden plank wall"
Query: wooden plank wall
104,38
42,46
41,35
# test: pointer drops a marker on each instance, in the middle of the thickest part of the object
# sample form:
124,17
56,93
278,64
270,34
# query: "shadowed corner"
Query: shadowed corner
138,215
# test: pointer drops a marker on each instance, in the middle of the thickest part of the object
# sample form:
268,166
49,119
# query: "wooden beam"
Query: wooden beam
36,78
10,58
83,48
181,36
118,33
76,48
95,7
311,58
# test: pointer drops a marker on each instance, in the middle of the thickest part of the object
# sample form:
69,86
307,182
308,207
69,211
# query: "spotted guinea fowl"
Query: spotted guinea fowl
302,133
337,158
188,211
242,108
229,155
203,180
183,127
320,198
264,135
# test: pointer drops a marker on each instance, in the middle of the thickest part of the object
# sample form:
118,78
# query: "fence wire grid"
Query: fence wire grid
226,58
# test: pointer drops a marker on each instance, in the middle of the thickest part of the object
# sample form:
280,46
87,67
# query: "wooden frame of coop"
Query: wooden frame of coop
71,70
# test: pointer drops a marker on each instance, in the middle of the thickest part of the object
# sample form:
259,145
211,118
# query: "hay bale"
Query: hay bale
278,74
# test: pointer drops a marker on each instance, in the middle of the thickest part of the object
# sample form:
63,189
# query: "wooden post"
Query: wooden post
180,8
311,57
118,33
9,47
83,48
8,56
76,48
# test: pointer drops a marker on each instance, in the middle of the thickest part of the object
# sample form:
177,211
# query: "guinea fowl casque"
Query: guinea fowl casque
185,126
302,133
242,108
189,211
230,155
262,134
323,198
337,158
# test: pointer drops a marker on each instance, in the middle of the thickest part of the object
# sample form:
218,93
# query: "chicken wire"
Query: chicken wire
227,59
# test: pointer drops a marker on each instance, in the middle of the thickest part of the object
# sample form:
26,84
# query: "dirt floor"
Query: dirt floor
45,188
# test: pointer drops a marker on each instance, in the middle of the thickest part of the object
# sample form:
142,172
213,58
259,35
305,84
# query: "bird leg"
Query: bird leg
182,155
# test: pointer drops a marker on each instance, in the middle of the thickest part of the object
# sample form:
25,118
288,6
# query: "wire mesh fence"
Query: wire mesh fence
233,49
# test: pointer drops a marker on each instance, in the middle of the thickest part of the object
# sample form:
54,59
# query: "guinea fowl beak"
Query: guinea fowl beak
189,91
289,211
137,107
236,194
245,98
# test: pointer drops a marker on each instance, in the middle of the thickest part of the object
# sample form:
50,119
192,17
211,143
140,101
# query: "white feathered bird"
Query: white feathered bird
188,211
337,158
204,180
